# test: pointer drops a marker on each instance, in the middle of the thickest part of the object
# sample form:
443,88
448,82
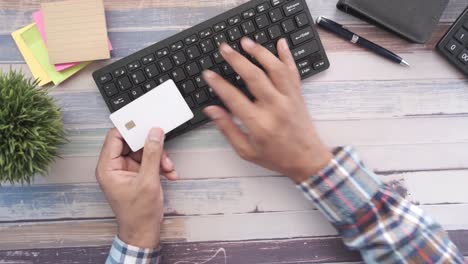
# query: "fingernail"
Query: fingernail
168,164
156,135
225,48
211,112
248,43
208,74
283,44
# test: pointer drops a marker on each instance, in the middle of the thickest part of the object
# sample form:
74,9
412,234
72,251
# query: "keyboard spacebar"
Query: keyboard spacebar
305,50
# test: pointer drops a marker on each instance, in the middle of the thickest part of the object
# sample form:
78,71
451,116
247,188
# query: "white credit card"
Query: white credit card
162,107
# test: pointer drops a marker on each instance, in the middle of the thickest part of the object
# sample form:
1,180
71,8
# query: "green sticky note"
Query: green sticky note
33,40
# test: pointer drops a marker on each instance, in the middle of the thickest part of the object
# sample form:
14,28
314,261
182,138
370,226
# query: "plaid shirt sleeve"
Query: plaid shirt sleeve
122,253
371,218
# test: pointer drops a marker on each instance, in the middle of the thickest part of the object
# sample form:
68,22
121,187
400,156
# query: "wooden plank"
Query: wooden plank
232,227
213,196
324,250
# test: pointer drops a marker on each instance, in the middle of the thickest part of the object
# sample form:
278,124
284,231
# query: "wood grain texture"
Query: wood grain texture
410,124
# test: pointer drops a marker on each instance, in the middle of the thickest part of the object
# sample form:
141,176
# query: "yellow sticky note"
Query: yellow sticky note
36,45
33,64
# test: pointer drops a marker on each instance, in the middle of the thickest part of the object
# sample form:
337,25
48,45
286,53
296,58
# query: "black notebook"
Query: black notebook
414,20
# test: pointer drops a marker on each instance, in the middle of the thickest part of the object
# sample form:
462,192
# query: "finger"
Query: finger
167,167
113,145
286,56
257,81
232,97
152,153
276,69
236,137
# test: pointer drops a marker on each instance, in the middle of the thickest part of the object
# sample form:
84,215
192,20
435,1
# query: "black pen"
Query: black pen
341,31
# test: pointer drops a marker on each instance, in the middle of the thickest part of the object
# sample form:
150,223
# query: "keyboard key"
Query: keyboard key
466,24
179,58
189,101
199,116
227,69
319,65
207,46
305,71
119,72
193,52
248,27
276,15
272,48
105,78
220,26
165,64
218,58
302,20
262,21
206,33
462,36
148,59
219,39
124,83
274,32
138,77
263,7
235,46
261,37
188,87
305,50
234,20
136,92
178,75
217,70
110,89
303,64
288,26
200,82
177,46
234,33
302,36
201,97
163,78
206,62
293,7
151,70
120,101
162,52
190,40
150,85
454,47
276,2
212,92
248,14
463,57
133,65
192,69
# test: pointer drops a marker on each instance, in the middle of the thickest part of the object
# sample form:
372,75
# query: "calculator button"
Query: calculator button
453,47
110,89
463,57
462,36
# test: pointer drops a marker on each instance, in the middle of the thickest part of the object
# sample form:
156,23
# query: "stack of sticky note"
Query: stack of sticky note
64,38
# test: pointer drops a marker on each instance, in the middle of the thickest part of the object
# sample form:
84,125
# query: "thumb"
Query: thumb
152,154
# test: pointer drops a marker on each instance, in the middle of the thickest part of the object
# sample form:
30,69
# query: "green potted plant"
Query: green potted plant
31,129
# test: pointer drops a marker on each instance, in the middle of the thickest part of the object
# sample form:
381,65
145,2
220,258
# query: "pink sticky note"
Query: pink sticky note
39,19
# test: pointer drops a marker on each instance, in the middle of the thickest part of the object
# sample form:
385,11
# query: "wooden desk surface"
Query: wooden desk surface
409,124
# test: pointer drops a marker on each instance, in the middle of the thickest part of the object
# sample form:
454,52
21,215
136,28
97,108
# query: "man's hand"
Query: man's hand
279,132
132,186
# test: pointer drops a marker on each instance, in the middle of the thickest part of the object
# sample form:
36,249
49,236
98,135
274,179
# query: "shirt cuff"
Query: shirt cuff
341,188
123,253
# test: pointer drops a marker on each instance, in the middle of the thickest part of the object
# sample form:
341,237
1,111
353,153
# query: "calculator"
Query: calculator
454,45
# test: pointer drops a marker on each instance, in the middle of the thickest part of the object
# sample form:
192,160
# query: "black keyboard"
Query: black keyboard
185,55
454,45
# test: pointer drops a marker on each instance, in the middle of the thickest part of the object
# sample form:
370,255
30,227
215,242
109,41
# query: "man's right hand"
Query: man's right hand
279,132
